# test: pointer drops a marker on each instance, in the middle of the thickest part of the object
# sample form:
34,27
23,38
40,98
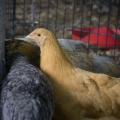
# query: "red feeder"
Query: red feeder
102,37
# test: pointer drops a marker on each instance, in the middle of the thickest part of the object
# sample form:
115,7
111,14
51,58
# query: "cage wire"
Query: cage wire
65,16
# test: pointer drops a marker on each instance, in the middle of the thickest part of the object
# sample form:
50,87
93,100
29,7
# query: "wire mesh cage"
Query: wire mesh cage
86,20
2,38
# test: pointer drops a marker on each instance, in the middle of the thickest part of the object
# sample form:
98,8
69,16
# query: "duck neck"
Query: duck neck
54,62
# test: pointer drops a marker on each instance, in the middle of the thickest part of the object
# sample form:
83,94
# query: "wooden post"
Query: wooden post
2,39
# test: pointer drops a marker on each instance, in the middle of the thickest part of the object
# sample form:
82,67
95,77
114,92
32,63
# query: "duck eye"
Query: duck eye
39,34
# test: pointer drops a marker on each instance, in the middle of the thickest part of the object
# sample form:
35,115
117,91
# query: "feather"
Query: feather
26,94
79,94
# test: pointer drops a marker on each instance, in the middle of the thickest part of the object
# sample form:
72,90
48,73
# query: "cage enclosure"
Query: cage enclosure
96,23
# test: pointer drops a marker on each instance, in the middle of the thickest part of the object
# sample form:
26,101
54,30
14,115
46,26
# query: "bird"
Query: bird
78,53
105,64
89,60
95,63
26,94
79,94
21,47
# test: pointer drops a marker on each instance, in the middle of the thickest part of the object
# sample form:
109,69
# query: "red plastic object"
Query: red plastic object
102,37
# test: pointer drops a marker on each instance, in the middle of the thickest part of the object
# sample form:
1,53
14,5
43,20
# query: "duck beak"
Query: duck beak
30,40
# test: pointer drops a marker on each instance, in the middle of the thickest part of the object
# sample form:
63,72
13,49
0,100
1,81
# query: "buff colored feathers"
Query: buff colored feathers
79,94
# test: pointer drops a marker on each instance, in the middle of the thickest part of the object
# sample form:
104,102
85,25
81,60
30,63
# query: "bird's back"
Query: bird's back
26,94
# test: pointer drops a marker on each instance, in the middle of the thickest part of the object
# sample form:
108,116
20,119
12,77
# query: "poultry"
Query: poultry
79,94
105,64
78,53
26,93
89,60
75,49
14,46
22,47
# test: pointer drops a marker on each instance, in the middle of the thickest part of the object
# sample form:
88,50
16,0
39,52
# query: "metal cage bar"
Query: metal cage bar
2,39
61,16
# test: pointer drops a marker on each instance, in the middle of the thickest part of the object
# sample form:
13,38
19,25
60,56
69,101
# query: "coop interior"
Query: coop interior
81,60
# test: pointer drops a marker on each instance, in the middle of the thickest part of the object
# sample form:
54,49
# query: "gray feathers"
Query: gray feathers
26,94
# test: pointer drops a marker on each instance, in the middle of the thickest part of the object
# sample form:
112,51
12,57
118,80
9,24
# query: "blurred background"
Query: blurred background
61,16
88,30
